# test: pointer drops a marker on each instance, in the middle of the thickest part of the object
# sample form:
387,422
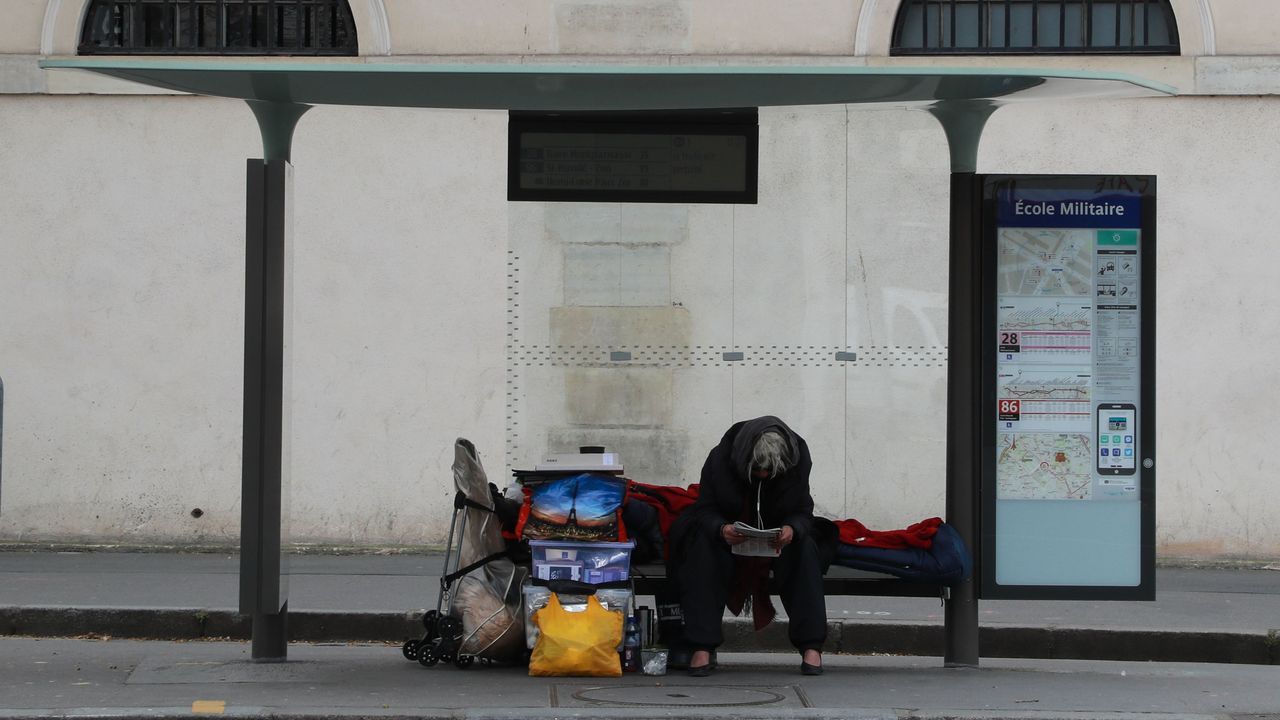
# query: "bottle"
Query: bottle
631,646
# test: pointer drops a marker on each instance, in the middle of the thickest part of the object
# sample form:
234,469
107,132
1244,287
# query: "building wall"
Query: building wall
123,291
427,307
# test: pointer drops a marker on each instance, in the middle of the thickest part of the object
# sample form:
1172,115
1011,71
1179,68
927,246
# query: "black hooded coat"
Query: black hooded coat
708,577
728,492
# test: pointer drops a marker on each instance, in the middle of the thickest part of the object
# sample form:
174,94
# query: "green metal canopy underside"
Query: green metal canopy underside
603,87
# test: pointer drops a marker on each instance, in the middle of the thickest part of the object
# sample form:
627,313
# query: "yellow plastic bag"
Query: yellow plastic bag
579,643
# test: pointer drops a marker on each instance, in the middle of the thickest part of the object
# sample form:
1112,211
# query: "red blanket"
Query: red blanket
917,535
669,500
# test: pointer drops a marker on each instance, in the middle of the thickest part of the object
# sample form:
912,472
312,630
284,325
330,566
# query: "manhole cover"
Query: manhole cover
678,696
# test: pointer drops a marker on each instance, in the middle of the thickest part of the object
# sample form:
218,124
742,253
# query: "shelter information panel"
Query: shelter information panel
1068,498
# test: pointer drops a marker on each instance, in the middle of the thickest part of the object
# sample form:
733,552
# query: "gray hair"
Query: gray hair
770,454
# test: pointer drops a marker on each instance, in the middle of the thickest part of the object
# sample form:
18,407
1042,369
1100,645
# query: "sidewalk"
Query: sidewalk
355,610
1199,615
124,679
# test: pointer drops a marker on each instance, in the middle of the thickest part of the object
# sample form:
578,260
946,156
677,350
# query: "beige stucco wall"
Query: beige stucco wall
122,283
121,336
1245,27
20,30
428,307
622,27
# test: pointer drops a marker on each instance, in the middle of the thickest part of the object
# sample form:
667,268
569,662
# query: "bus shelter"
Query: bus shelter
279,93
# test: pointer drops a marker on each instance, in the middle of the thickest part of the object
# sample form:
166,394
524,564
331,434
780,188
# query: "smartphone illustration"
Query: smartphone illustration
1116,447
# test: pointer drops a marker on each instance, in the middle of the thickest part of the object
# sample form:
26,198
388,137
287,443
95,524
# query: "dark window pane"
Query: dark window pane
237,22
912,27
209,27
1104,24
1073,29
124,26
258,33
967,25
1020,25
1048,24
184,31
933,26
325,19
995,25
153,26
105,26
1031,26
1158,31
308,29
287,26
341,35
1126,25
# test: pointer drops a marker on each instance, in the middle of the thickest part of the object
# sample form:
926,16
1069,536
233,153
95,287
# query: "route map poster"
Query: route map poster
1066,376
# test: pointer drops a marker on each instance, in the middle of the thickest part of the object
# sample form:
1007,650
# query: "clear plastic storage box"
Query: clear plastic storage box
589,562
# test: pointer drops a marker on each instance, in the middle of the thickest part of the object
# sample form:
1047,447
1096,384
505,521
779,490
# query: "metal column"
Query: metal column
264,592
963,122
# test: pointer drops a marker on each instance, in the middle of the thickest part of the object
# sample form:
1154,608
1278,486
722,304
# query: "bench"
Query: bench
652,578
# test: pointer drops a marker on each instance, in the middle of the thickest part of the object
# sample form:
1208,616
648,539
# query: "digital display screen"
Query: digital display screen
1116,446
633,159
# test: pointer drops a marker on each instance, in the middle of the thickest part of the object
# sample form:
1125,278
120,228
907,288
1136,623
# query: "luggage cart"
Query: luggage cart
441,640
493,610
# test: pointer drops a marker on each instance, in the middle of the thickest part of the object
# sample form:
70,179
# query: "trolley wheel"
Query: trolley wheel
410,649
427,656
449,627
429,620
464,661
445,656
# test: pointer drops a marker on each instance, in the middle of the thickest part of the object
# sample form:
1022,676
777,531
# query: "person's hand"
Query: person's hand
731,535
784,538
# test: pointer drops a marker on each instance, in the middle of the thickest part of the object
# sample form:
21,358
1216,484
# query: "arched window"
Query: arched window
218,27
987,27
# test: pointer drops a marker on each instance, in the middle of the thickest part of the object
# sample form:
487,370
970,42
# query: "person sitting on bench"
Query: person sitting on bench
758,474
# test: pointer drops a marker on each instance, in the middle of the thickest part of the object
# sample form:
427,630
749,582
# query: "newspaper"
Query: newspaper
758,541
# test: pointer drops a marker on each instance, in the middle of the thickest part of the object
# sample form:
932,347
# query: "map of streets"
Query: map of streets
1044,466
1038,262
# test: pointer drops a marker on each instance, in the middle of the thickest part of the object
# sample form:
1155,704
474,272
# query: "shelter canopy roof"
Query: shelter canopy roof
535,87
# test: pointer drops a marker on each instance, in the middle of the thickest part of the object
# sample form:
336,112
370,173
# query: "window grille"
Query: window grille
990,27
218,27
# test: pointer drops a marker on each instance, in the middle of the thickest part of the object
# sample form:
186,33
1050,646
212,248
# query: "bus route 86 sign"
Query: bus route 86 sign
1009,410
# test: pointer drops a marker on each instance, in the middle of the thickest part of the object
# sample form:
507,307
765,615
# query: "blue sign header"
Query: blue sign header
1040,208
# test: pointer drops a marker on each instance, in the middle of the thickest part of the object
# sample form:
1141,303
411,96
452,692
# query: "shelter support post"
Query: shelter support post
963,121
264,590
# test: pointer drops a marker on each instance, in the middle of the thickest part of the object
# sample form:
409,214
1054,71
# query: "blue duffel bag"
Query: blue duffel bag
946,562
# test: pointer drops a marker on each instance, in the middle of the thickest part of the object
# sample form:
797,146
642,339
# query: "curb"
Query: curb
845,636
594,713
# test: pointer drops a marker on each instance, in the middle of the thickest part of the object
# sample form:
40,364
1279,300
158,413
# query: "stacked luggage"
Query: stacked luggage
569,605
578,599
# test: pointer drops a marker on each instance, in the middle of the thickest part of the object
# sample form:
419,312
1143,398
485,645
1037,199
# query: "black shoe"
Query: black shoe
702,670
807,669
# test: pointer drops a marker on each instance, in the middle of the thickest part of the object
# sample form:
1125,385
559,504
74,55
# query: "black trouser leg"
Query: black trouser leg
799,575
706,572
